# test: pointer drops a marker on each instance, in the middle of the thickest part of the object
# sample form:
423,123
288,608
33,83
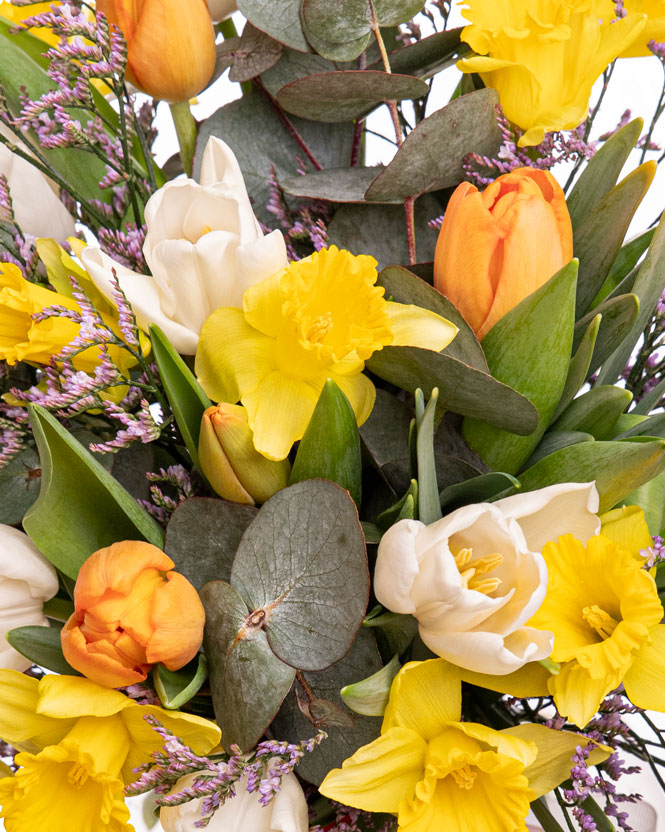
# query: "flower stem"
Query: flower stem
185,128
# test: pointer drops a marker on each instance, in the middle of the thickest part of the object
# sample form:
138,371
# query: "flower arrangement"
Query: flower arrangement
332,496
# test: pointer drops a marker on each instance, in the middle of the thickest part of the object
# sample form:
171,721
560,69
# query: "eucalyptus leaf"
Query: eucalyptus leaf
578,369
618,468
176,687
340,96
334,184
278,18
293,65
427,56
555,440
251,54
81,507
302,565
203,535
431,156
248,682
480,489
330,447
42,646
20,481
529,348
385,437
618,316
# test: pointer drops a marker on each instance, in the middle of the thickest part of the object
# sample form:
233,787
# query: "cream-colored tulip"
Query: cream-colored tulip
204,247
474,578
220,9
27,579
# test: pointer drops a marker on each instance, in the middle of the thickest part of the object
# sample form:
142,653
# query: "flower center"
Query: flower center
464,777
205,230
78,774
473,572
599,620
318,328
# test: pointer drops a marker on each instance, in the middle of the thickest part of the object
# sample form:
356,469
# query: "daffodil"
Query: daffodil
319,318
79,743
435,772
17,14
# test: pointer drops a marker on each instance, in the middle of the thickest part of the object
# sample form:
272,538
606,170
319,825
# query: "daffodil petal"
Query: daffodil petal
360,392
65,697
232,355
627,527
416,327
644,680
530,680
278,412
577,695
379,775
19,722
424,697
262,305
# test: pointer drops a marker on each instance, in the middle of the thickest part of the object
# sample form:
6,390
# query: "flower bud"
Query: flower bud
170,45
498,246
131,610
234,468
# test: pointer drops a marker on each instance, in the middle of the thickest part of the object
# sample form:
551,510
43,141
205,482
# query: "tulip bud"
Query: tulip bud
170,45
131,610
234,468
498,246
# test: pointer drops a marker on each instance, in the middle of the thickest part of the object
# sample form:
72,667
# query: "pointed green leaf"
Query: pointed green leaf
393,631
176,687
186,396
651,498
650,400
369,697
647,426
617,467
330,448
618,316
595,412
554,441
578,369
42,646
429,507
529,349
544,817
480,489
624,266
81,507
404,508
59,609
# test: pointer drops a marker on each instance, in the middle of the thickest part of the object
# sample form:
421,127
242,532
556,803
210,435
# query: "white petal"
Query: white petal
397,566
21,560
166,210
175,269
259,260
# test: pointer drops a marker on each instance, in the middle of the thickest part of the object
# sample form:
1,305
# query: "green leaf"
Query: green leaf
59,609
653,426
405,287
651,498
371,531
554,441
595,412
42,646
293,65
186,396
247,681
334,184
578,369
203,535
650,399
617,467
340,96
385,438
427,56
176,688
618,316
602,171
369,697
623,267
81,507
462,388
529,349
429,507
278,18
330,448
392,630
603,823
302,565
598,240
480,489
403,508
545,817
431,156
20,480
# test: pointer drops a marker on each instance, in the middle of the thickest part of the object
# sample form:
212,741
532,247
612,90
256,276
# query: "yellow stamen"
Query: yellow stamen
464,777
78,774
485,586
599,620
471,577
206,230
318,329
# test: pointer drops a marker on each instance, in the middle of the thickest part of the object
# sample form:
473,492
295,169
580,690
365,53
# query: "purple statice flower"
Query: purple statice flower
657,48
348,819
304,223
654,554
620,10
141,692
140,426
22,251
125,247
161,505
13,432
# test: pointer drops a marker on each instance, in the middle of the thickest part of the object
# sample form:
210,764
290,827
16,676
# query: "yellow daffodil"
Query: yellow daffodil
17,14
543,56
79,744
435,772
319,318
653,30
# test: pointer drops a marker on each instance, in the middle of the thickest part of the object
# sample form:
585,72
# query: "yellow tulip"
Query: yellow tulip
319,318
170,44
435,772
543,56
498,246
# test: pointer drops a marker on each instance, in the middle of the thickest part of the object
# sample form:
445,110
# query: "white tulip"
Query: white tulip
204,247
219,9
27,579
474,578
287,812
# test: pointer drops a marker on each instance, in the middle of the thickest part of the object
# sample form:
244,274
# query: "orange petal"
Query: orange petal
178,618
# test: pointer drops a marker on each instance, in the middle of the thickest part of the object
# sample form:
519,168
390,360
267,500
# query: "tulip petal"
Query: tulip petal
99,660
416,327
258,260
397,566
644,679
176,636
379,775
21,560
488,651
424,697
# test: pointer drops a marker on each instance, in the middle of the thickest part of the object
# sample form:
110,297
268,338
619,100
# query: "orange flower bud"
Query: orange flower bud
130,612
171,44
498,246
229,460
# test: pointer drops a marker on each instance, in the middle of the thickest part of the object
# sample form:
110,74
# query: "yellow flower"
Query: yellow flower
79,744
605,613
435,772
17,14
653,30
543,56
319,318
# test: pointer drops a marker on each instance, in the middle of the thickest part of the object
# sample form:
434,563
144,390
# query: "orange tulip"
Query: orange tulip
498,246
130,612
171,44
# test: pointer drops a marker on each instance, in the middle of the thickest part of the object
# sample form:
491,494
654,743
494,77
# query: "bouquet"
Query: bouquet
332,494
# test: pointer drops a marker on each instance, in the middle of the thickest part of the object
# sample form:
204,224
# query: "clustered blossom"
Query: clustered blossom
646,371
304,224
348,819
23,252
264,767
654,554
125,247
13,432
161,505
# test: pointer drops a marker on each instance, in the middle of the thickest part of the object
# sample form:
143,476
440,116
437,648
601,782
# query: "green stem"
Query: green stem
227,28
185,128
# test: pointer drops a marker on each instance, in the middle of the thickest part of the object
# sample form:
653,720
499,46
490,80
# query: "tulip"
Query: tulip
220,9
130,612
286,812
170,44
474,578
230,462
204,247
27,579
498,246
